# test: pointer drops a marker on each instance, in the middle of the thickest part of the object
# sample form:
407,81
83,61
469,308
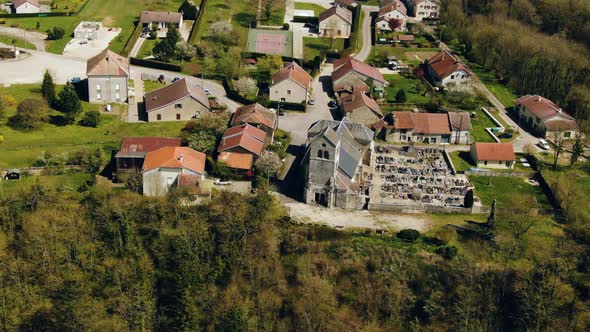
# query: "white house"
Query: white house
392,15
335,22
26,6
544,117
446,70
172,166
493,155
291,84
425,8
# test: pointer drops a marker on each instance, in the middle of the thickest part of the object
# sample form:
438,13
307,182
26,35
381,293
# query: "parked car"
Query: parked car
281,112
506,134
311,102
332,104
218,182
543,144
207,91
176,79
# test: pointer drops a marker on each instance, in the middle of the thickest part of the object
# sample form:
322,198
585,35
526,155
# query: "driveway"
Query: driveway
365,51
35,38
136,47
297,123
31,69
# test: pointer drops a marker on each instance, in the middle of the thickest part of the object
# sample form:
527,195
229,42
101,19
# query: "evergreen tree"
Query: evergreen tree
48,88
400,97
577,150
70,103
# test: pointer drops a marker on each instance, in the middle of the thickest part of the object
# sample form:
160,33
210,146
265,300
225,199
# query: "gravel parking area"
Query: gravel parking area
85,49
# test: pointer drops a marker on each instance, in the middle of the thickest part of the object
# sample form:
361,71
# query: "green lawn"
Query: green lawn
317,9
313,47
69,182
479,125
413,87
18,42
149,86
147,47
461,160
112,13
405,54
504,189
65,5
21,149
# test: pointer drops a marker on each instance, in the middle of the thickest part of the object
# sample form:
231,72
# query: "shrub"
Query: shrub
285,26
55,33
410,235
91,119
8,100
30,114
447,252
401,97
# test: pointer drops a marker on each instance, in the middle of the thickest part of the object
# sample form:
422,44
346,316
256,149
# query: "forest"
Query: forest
534,46
109,260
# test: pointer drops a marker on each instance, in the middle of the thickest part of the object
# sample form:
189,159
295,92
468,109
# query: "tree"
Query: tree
578,103
268,163
69,103
229,63
577,150
184,51
400,96
203,141
521,215
55,33
558,145
91,119
135,182
189,10
395,23
173,36
48,88
268,64
30,114
221,32
164,50
267,7
246,86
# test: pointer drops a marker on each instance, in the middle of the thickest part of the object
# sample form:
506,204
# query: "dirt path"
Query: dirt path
32,37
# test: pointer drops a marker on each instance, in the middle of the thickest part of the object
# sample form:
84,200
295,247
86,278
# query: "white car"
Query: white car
218,182
207,91
543,144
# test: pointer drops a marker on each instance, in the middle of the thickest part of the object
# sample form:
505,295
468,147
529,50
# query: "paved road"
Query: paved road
35,38
365,51
136,47
297,123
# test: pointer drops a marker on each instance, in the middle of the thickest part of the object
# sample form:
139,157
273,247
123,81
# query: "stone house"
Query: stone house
391,11
26,6
178,101
422,9
349,72
493,155
240,146
258,116
460,123
335,154
335,22
163,20
134,149
108,73
544,117
171,166
446,70
358,107
291,84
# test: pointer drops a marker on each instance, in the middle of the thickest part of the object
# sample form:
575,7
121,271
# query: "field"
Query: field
405,54
147,47
504,189
413,87
479,125
64,5
18,42
67,182
112,13
313,47
149,86
317,9
21,149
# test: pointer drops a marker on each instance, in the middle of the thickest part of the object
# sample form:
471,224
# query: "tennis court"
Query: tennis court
271,42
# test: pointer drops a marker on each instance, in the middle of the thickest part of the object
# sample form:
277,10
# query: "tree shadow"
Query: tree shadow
245,19
326,82
222,6
58,120
141,112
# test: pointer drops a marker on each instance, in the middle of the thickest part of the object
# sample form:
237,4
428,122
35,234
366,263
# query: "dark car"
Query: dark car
506,134
332,104
176,79
281,112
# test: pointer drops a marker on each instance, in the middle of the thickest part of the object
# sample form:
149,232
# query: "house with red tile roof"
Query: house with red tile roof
258,116
358,107
544,117
446,70
350,72
26,6
172,166
291,84
107,73
429,128
335,22
493,155
178,101
239,141
392,15
134,149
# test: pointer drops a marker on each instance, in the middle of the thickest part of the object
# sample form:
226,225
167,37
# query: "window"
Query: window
326,155
433,140
283,99
507,164
288,92
177,116
117,96
169,181
159,117
452,77
98,96
117,87
567,134
98,87
178,106
320,153
485,162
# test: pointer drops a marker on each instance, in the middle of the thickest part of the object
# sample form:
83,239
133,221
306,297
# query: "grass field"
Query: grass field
405,54
317,9
313,47
413,87
149,86
67,182
112,13
147,47
64,5
21,149
504,189
479,125
18,42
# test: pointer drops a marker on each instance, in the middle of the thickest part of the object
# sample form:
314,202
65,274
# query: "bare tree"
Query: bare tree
558,144
267,7
521,215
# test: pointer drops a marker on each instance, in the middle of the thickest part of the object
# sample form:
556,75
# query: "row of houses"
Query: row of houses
394,14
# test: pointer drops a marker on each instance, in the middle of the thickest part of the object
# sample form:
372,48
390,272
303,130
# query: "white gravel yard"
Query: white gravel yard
85,49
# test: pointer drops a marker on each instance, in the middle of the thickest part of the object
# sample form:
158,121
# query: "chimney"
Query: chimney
180,158
538,98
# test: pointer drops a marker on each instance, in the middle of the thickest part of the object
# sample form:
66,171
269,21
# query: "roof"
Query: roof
294,72
349,64
544,109
421,123
402,38
236,160
416,2
174,92
391,5
168,17
460,121
341,12
107,63
359,132
358,99
18,3
245,136
494,151
444,64
345,2
139,146
254,114
175,157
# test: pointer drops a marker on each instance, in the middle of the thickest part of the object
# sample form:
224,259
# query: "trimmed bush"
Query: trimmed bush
410,235
447,252
155,64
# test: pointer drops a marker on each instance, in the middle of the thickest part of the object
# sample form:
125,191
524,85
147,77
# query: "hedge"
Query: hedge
37,15
132,39
350,43
197,25
305,19
155,64
285,105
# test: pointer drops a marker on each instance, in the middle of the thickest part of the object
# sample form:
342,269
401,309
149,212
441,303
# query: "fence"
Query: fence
500,173
196,26
155,64
411,208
